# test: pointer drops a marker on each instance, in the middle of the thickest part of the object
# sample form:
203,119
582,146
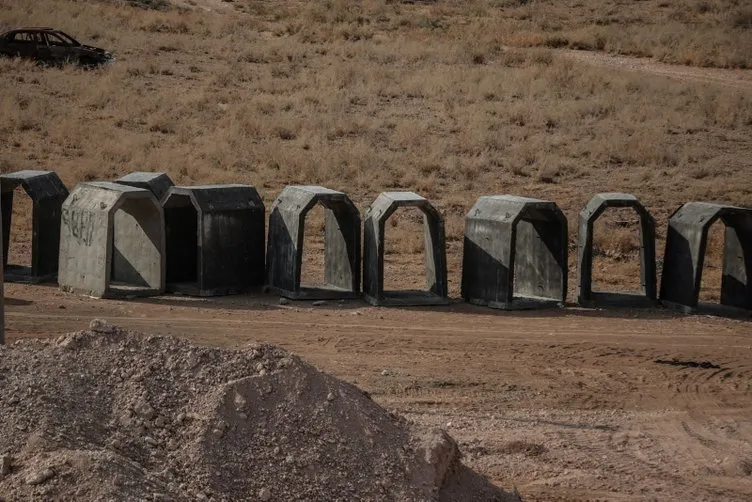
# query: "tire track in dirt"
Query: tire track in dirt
733,377
692,446
737,79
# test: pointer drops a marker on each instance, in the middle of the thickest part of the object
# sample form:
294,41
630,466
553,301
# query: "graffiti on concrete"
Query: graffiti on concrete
79,223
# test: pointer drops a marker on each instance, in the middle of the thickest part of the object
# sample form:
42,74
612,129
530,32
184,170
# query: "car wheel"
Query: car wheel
87,63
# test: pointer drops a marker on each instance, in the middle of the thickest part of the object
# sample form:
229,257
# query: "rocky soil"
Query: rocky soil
109,414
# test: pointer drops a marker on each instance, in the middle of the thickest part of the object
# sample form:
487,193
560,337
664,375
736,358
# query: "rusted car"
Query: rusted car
51,46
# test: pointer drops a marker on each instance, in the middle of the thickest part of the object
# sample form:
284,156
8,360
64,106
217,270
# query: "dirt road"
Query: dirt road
737,79
565,405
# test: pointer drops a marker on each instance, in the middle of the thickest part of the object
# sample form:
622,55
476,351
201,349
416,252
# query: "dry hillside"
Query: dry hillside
376,95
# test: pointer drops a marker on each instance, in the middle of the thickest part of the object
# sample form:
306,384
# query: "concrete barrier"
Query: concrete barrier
156,183
47,194
215,239
341,241
594,209
112,242
373,252
515,253
686,242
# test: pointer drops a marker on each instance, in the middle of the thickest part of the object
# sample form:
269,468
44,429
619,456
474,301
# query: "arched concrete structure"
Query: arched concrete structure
47,194
156,183
594,209
284,255
684,256
515,253
112,242
373,252
215,239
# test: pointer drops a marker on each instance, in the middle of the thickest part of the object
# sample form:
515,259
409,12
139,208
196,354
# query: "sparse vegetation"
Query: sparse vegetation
150,4
369,96
702,33
616,251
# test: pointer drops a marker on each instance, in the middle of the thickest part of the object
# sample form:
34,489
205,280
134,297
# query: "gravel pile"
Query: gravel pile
108,414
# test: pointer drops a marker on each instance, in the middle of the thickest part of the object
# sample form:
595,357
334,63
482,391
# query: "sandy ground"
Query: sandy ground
564,404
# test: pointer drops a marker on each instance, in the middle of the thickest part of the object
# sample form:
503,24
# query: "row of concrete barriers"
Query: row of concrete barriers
141,235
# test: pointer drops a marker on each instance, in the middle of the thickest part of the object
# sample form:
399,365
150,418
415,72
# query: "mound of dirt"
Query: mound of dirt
107,414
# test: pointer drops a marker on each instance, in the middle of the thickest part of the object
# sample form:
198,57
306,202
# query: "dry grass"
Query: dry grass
404,251
694,32
19,249
365,97
713,267
616,251
312,273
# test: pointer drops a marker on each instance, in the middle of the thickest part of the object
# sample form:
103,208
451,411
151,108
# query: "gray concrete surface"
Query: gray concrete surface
47,194
215,239
374,247
112,242
515,253
284,253
156,183
684,256
594,209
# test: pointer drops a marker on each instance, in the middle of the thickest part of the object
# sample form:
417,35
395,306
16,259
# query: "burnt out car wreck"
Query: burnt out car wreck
51,47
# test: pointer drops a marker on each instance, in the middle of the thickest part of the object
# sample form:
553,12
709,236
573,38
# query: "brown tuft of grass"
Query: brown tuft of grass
741,19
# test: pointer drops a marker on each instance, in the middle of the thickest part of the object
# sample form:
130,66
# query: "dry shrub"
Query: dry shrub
150,4
741,19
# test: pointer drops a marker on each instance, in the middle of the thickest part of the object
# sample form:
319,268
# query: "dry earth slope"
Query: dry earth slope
107,414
